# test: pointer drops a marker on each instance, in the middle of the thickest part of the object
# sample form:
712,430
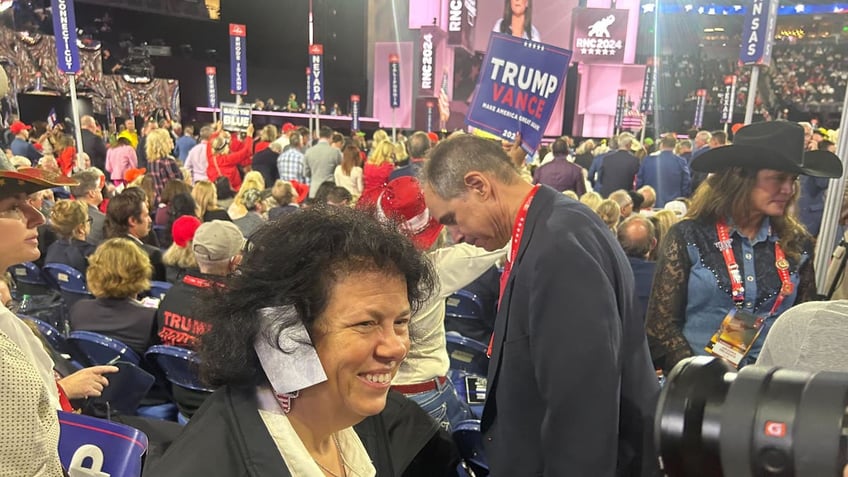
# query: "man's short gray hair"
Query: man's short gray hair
452,159
205,132
625,141
88,181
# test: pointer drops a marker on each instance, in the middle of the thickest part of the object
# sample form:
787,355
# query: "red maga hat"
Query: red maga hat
403,201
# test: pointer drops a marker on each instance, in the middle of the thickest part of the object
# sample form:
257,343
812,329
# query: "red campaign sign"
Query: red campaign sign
316,49
210,70
600,35
237,30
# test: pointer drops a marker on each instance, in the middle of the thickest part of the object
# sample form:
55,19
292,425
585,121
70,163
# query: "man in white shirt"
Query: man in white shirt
196,161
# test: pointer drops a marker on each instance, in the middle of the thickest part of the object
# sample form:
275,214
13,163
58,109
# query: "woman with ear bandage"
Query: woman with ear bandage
305,341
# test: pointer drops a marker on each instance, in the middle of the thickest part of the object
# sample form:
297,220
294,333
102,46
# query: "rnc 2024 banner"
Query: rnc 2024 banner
520,81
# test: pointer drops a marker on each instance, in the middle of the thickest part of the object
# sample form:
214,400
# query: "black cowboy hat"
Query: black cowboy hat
777,145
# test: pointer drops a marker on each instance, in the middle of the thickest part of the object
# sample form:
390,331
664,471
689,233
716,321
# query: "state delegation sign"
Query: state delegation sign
518,87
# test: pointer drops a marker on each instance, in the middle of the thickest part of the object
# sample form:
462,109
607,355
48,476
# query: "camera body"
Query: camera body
714,422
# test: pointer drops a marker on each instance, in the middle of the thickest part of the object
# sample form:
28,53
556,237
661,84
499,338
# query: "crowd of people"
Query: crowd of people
309,271
805,78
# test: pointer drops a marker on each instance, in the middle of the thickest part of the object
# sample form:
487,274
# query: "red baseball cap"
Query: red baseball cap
18,126
288,127
302,190
183,229
403,201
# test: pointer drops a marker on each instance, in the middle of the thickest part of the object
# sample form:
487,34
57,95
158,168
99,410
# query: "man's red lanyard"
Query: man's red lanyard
517,233
737,290
197,282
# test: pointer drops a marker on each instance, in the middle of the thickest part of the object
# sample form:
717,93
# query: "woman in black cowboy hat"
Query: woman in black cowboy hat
740,257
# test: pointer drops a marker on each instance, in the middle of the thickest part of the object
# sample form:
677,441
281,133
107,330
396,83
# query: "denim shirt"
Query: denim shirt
709,291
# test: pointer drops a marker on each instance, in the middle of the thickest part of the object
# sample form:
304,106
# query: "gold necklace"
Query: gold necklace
341,461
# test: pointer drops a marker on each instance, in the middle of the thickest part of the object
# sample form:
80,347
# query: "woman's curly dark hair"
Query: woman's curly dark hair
296,261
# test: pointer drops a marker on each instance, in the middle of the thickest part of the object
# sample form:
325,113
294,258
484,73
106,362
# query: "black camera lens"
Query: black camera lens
714,422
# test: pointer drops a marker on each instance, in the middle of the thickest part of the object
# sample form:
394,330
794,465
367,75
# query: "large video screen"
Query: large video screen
196,9
546,21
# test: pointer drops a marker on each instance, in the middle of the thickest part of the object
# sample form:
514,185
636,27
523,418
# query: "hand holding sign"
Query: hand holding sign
518,88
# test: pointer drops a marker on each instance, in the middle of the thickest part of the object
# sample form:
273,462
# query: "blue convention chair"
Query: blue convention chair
469,440
126,389
30,280
100,447
158,289
96,349
54,337
179,366
161,232
99,349
467,355
70,281
464,304
471,389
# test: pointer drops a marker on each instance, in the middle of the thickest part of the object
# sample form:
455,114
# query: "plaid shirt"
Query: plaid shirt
162,171
290,166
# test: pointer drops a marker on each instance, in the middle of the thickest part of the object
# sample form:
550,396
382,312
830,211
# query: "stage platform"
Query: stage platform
338,123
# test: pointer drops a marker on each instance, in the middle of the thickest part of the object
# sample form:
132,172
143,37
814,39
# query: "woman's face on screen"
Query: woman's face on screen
519,6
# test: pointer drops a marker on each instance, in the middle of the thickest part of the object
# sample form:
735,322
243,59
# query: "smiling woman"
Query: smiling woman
305,341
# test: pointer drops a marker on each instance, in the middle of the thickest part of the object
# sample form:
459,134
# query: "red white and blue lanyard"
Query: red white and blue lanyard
517,233
737,290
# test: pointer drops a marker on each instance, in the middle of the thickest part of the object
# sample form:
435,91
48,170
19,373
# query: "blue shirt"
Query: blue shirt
24,148
182,146
811,202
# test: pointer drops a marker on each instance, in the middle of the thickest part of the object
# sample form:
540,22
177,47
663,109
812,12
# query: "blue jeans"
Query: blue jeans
444,405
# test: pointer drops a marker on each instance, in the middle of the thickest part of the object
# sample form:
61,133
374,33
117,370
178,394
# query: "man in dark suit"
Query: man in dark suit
703,139
618,169
419,144
90,192
638,239
666,172
571,389
92,143
128,216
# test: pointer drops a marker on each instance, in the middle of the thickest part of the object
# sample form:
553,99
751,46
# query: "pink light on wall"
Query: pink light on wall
382,108
599,85
422,13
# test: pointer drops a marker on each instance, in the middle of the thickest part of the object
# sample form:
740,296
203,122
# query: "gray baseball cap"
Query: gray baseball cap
217,240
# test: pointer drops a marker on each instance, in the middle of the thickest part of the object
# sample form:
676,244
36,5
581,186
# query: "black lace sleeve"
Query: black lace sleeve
807,282
667,305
